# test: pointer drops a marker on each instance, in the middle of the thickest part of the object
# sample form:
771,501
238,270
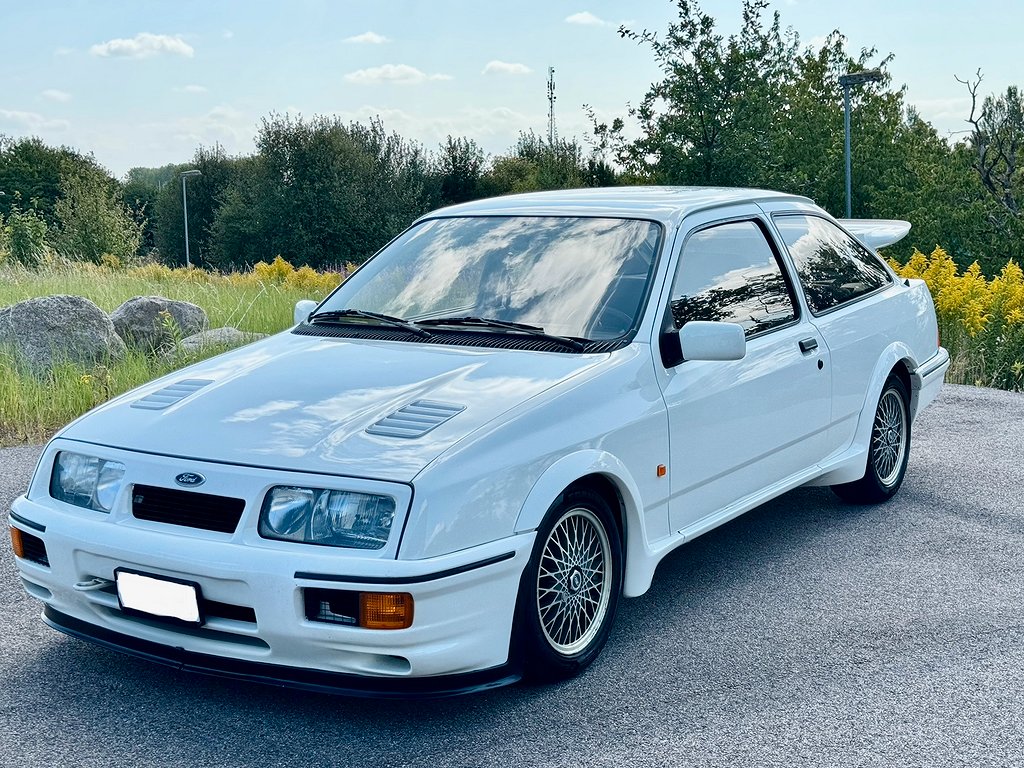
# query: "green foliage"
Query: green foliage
92,221
321,192
535,164
205,193
32,172
460,168
141,189
23,237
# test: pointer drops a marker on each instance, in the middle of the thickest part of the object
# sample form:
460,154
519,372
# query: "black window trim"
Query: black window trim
848,302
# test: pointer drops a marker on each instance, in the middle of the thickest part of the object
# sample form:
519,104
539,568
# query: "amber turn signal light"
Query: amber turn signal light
17,543
385,610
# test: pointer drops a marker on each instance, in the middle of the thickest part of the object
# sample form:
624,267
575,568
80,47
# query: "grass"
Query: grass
32,408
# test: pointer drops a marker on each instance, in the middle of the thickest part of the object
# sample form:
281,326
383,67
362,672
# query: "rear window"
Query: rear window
833,267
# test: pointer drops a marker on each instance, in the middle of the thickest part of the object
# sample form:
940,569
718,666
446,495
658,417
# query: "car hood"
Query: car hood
305,404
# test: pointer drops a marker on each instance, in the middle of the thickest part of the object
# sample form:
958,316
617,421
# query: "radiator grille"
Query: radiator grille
186,508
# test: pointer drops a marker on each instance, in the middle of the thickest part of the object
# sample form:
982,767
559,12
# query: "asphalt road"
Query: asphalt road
806,633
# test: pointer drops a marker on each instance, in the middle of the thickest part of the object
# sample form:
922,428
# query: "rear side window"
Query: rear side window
833,267
730,273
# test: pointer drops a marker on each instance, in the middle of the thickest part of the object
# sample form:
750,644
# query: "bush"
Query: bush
981,321
24,237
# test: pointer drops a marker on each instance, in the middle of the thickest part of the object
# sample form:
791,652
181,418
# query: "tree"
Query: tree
709,120
141,190
92,221
460,168
322,192
536,164
205,191
31,174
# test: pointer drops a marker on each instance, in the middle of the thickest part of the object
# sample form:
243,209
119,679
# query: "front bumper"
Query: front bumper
257,627
292,677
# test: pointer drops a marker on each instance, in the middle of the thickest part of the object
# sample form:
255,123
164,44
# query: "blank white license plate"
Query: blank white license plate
158,597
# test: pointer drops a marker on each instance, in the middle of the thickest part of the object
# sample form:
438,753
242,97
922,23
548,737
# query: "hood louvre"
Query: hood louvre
415,419
171,394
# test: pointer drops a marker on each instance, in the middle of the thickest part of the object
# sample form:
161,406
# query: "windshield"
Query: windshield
577,277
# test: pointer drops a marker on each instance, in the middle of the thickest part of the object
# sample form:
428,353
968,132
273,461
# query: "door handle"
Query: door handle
808,345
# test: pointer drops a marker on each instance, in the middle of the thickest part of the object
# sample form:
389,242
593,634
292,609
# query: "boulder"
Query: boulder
142,322
215,337
45,331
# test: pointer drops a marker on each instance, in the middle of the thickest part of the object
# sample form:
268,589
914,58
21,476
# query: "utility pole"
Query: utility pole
184,208
552,135
848,80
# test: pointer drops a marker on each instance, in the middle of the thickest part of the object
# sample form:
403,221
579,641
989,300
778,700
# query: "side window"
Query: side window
832,266
730,273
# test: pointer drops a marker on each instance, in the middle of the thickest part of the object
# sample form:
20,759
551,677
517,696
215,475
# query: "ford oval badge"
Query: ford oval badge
190,479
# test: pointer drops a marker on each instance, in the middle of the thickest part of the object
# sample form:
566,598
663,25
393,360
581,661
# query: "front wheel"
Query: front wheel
889,450
570,588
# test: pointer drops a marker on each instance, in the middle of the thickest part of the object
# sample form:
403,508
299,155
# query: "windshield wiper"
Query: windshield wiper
343,314
490,323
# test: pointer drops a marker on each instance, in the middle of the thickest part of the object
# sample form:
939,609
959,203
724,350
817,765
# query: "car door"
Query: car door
738,427
843,284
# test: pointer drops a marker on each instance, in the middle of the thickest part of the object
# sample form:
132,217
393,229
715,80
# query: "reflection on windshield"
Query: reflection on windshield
581,277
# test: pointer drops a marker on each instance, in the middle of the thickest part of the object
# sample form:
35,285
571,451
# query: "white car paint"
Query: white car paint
294,410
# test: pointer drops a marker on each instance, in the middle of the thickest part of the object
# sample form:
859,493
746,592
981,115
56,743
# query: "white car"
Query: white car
446,474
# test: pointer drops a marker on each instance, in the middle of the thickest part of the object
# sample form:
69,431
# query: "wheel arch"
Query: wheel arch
604,474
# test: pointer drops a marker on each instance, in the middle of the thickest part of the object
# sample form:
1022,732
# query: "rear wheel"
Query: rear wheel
570,588
889,450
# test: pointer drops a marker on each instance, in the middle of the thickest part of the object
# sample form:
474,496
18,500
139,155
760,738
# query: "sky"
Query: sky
145,83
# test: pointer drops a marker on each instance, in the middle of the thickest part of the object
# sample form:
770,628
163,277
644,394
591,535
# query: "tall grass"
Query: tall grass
259,301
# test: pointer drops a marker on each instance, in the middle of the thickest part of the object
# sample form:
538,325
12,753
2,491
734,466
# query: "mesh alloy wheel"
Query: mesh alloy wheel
573,582
889,437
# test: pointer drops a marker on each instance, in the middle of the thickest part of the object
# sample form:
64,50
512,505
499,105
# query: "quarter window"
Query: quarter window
832,266
730,273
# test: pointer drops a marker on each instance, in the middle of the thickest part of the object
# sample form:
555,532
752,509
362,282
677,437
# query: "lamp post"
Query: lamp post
848,80
184,208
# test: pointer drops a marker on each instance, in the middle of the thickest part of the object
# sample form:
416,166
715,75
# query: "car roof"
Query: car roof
665,204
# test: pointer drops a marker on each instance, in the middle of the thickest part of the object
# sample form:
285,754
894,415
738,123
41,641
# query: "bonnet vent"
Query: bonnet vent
171,394
415,419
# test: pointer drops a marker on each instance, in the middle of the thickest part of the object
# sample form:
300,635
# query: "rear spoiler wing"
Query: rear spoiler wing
877,233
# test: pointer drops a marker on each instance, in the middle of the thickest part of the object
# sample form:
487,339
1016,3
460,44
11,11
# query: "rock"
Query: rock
142,323
49,330
215,337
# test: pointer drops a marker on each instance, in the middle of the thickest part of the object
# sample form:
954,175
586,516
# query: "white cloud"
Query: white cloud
372,38
191,89
55,95
501,123
223,124
32,121
398,74
143,46
506,68
228,34
587,19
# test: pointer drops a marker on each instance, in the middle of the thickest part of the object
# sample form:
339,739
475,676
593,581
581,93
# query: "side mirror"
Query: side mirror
302,310
703,340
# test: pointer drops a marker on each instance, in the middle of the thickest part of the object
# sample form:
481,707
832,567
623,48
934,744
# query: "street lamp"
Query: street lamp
848,80
184,207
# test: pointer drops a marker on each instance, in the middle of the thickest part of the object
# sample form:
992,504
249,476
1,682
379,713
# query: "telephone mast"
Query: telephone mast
551,106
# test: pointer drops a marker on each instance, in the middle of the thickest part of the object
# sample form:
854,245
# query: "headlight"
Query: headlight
332,518
86,481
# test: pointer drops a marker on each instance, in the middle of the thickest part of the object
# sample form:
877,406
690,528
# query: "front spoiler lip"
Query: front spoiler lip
319,681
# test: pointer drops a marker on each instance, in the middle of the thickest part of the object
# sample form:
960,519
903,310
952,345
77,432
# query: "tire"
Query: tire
570,589
889,450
